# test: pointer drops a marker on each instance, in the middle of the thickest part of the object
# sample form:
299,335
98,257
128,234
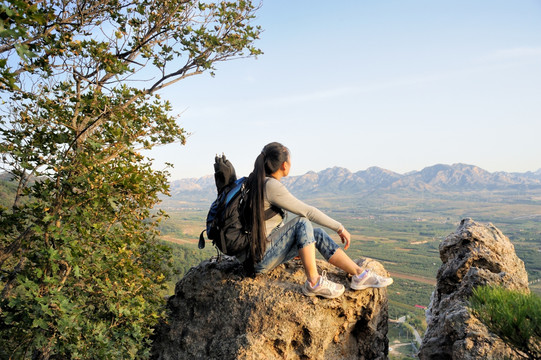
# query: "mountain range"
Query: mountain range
337,180
439,180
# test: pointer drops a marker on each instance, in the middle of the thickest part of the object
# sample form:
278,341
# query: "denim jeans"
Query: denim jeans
284,243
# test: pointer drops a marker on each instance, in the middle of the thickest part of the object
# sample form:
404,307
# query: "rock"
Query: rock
474,255
217,313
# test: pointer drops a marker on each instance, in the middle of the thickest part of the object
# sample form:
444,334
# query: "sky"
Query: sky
401,85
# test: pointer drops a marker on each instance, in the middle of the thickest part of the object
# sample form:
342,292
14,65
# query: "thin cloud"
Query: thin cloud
518,53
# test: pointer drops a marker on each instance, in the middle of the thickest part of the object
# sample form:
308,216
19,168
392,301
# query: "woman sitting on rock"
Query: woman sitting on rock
277,242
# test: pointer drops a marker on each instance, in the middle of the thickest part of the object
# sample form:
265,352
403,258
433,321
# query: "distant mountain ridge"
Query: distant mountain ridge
338,180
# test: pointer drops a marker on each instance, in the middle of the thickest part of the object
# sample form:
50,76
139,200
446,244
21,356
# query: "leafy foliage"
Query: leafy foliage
81,268
185,256
514,316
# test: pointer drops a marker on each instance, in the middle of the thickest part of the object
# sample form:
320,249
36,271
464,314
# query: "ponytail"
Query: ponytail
268,162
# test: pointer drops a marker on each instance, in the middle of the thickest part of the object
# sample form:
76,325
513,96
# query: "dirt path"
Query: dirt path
421,279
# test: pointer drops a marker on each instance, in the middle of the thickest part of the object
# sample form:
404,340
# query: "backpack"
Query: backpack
227,222
226,225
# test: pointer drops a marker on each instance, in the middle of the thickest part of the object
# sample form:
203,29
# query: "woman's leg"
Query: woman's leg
333,254
297,238
294,238
361,279
341,260
286,242
308,259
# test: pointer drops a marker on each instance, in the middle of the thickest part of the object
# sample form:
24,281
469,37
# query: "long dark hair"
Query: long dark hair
267,163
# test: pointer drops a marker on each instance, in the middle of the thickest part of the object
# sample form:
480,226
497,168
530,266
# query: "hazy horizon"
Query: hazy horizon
211,173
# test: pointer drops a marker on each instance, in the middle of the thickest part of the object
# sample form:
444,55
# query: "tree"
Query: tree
512,315
80,266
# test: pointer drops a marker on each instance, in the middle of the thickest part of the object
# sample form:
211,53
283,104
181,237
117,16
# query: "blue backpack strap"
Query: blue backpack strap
234,190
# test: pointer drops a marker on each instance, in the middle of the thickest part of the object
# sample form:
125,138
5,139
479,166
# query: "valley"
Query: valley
398,220
403,230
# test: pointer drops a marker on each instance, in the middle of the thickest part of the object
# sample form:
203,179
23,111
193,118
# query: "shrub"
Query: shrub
512,315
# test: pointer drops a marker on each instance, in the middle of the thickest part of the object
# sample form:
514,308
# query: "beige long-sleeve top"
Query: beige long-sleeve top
277,194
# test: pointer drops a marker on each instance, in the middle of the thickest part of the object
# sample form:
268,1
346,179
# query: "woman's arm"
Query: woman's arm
278,195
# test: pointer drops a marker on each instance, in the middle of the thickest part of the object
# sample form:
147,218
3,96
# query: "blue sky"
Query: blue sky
397,84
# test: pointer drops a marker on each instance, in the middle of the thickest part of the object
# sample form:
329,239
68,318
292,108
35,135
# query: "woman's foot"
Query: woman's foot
369,279
324,288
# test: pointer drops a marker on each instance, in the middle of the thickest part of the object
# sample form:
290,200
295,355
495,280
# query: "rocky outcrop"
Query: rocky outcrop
217,313
474,255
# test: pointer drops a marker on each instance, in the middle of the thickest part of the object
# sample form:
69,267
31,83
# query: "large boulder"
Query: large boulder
217,313
473,255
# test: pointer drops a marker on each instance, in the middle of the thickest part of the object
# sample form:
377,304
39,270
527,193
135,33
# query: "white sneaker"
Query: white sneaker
369,279
324,288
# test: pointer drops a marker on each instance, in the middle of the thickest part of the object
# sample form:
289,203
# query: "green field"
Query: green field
403,233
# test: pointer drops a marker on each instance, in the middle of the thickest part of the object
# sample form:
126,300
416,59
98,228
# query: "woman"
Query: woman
275,242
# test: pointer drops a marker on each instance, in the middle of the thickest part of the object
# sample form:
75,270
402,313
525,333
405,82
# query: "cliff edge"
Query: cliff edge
217,313
473,255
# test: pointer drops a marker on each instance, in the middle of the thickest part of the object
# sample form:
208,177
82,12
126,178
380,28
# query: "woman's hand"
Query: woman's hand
345,236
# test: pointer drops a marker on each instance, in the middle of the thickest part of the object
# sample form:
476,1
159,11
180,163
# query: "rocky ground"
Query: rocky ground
217,313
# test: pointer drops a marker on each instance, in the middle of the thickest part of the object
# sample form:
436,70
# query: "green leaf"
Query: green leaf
39,323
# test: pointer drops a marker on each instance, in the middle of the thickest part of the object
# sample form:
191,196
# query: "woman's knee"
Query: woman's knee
304,224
